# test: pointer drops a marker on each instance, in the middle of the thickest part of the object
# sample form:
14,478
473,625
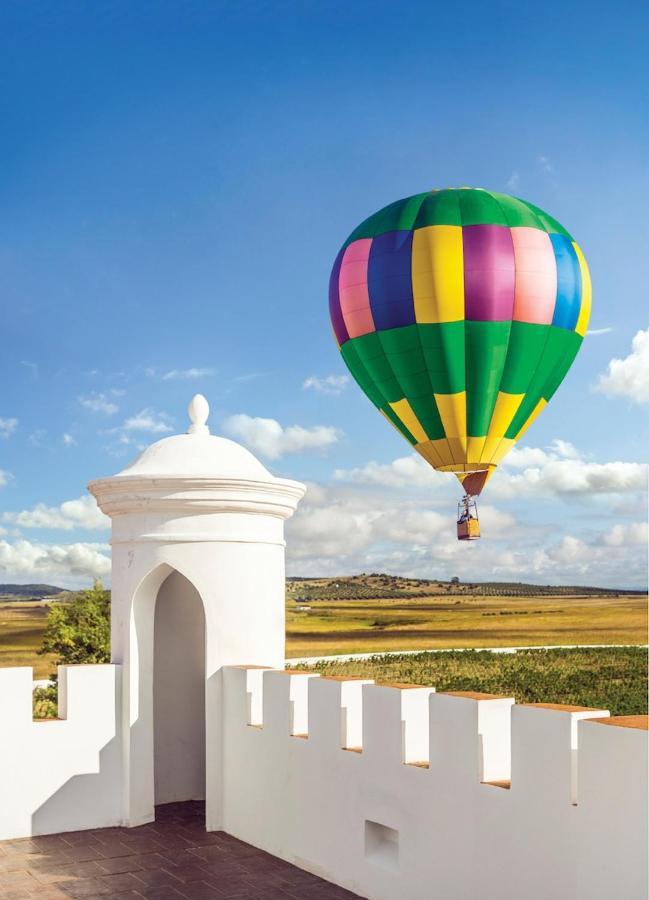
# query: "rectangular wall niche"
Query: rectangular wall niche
382,845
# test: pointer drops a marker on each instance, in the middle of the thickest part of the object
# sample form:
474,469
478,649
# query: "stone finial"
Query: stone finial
199,410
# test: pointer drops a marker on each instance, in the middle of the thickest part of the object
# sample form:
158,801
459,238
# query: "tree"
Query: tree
455,580
77,631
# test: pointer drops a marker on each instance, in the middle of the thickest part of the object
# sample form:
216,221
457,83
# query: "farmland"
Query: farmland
372,613
21,630
331,616
608,678
392,587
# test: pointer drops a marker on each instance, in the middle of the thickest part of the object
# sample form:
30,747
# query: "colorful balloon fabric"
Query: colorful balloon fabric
459,312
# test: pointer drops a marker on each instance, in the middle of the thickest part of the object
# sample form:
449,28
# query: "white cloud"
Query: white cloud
570,477
5,477
595,331
69,564
184,374
80,513
545,163
147,420
99,403
406,471
270,439
248,376
7,427
525,457
68,440
629,377
513,181
32,366
330,384
624,535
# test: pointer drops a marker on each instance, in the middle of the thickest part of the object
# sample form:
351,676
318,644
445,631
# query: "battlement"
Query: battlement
382,788
430,775
63,773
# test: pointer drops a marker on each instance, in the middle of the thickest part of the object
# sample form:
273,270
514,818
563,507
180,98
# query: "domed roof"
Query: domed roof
197,453
164,494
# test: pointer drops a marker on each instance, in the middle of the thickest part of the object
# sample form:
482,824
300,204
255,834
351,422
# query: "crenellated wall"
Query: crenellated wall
60,774
392,791
395,791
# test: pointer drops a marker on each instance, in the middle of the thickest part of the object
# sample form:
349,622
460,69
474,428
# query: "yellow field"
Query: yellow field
331,627
418,623
21,631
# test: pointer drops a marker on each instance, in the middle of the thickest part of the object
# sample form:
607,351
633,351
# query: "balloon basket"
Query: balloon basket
468,523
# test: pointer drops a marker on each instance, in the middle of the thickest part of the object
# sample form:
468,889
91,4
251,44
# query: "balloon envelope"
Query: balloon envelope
459,312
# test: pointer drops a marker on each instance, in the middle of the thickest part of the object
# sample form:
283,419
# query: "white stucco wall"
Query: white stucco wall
64,774
179,692
409,815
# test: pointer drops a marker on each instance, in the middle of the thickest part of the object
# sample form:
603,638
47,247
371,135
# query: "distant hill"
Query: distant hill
30,591
377,586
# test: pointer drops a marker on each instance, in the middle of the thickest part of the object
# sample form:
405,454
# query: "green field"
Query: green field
604,678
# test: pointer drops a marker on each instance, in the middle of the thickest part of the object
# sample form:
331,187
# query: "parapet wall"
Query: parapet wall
397,791
60,774
392,791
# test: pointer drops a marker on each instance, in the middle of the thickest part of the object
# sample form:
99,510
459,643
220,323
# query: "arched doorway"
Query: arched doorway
178,692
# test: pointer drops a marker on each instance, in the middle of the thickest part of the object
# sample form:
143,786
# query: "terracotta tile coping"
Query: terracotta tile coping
640,722
402,686
562,707
477,695
505,783
270,668
346,678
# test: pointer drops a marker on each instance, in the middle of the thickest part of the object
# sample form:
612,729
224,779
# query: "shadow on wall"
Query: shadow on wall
93,796
168,722
86,741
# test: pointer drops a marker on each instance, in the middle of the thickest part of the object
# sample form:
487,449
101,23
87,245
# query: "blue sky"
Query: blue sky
176,180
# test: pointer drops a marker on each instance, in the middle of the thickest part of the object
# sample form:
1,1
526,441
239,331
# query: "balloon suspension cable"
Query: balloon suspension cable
467,507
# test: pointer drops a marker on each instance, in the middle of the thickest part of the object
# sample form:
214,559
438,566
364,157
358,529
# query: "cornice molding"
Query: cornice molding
123,495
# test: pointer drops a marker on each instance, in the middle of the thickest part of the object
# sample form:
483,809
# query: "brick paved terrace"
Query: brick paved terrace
172,857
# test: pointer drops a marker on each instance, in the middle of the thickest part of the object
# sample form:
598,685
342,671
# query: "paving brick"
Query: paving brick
157,878
173,857
115,848
123,881
53,874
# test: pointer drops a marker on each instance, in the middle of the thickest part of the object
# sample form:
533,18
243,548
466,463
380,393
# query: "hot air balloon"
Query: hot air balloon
459,312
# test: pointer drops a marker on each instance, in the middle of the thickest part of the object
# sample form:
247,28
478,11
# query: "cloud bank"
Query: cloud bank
80,513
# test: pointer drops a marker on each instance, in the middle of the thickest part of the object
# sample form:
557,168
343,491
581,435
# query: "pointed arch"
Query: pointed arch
143,753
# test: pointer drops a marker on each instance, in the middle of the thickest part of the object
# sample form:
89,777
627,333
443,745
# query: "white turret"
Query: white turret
197,583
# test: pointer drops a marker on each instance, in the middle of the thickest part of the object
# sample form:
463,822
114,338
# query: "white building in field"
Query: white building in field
392,791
